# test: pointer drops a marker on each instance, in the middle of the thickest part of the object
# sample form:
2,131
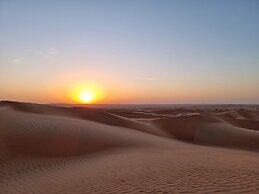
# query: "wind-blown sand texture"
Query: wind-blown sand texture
134,149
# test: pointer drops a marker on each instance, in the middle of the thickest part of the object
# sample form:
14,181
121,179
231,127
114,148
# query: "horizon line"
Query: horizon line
127,104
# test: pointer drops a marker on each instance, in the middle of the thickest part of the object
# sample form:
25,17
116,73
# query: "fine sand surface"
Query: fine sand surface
130,149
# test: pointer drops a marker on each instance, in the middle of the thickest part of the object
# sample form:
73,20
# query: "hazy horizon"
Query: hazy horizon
167,105
130,52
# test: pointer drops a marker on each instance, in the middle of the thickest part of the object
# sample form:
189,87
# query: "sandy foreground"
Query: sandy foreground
192,149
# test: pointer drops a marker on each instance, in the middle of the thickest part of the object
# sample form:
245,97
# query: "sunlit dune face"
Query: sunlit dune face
86,93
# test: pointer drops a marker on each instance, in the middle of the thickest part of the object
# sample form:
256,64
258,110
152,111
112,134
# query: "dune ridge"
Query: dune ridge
50,149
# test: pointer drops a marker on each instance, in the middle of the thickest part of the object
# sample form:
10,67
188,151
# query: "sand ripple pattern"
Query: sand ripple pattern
62,154
131,171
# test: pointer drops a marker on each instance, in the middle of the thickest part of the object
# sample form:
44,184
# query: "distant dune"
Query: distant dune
128,149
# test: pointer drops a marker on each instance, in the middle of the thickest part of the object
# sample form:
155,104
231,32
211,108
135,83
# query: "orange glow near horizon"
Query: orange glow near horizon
86,93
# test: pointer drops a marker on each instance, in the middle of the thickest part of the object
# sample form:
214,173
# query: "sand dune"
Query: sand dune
49,149
241,118
184,127
211,130
222,134
97,115
51,135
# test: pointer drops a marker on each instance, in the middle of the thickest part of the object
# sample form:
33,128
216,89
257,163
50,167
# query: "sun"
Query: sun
86,95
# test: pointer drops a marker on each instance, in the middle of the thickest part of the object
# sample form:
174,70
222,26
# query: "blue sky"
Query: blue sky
144,51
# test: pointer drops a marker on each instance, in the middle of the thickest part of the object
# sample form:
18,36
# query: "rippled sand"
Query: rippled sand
48,149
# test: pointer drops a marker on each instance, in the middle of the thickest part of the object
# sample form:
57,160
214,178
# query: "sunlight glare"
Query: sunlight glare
86,96
86,93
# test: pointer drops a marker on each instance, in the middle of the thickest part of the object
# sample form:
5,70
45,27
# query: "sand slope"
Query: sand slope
46,149
210,130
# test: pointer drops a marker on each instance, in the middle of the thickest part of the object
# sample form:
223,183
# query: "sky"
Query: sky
134,51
